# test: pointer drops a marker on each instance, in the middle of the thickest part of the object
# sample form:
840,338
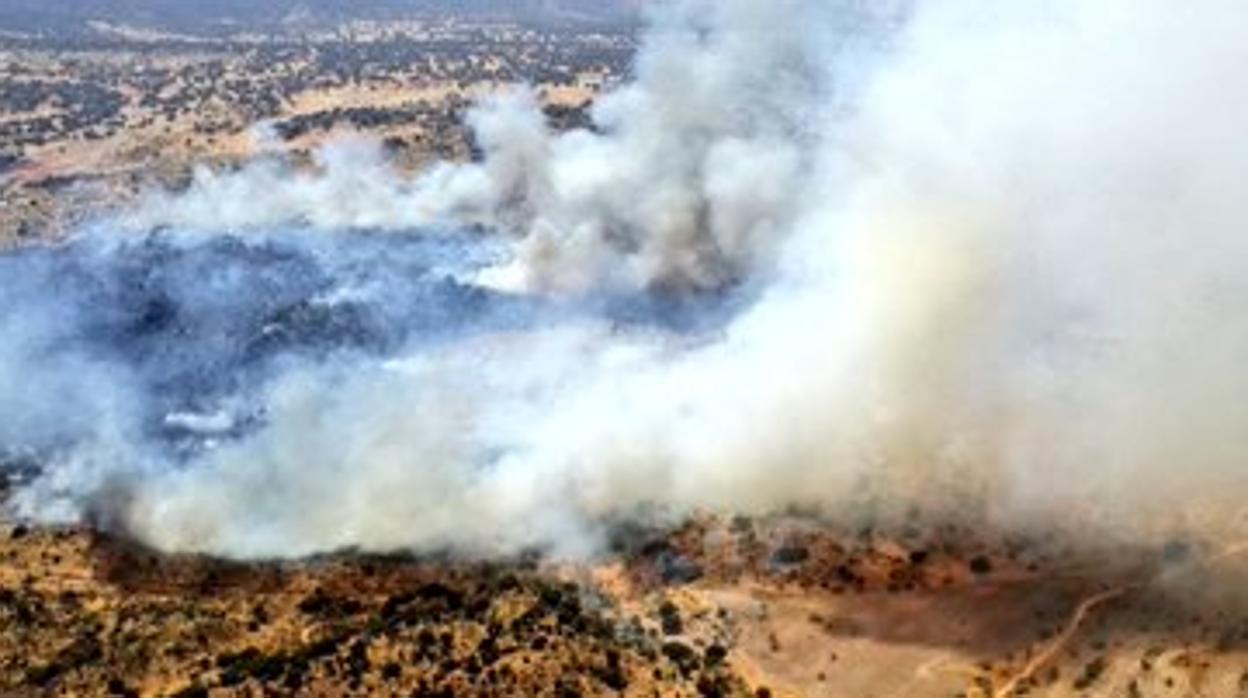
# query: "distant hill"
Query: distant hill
213,15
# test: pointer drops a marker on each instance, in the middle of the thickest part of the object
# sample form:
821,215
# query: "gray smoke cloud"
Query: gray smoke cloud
979,259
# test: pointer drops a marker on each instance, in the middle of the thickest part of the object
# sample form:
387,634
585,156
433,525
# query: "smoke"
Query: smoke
981,260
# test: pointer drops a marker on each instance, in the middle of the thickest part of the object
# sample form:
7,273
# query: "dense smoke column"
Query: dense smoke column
977,260
692,176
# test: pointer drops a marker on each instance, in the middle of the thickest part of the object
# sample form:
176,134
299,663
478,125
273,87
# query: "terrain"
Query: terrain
782,606
88,121
100,102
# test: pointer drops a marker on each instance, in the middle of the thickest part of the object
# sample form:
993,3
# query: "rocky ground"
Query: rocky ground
786,606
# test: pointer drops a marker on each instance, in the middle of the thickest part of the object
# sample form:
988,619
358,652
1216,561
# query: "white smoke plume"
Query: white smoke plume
953,254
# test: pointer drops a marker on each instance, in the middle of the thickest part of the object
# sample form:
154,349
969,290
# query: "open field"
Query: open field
779,607
85,123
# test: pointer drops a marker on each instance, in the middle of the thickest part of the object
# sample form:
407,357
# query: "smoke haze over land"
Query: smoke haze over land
200,17
982,260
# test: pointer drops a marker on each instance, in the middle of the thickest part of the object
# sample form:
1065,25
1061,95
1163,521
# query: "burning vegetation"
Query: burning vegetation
844,349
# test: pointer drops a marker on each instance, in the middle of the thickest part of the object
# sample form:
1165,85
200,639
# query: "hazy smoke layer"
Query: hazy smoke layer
955,255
